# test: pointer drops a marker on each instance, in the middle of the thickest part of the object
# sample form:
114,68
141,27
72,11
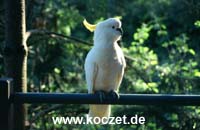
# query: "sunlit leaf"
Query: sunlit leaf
197,73
56,70
192,51
197,23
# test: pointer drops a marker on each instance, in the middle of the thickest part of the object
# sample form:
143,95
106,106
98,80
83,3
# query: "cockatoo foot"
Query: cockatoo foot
102,95
113,94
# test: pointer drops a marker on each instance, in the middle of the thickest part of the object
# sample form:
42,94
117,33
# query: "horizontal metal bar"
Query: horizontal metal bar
124,99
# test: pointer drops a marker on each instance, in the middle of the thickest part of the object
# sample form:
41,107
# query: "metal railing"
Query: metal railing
7,98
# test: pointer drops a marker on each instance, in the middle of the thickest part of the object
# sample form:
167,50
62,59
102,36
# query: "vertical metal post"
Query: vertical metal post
5,109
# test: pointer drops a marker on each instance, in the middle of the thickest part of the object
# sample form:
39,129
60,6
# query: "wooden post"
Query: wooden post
6,111
15,54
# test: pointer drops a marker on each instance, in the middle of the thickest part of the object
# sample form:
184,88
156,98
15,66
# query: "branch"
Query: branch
53,34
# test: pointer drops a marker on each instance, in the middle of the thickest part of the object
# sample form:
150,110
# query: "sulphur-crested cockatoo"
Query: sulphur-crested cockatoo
105,63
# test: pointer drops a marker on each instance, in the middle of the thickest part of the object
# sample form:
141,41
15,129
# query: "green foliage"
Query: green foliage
62,18
197,23
145,60
160,36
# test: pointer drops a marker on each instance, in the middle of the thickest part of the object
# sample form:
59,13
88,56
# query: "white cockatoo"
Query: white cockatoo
105,63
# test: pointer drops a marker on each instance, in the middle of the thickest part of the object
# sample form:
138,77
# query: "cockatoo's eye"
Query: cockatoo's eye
113,27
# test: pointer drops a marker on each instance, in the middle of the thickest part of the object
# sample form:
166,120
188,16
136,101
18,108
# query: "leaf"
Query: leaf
118,17
197,23
56,70
192,51
152,84
197,73
154,62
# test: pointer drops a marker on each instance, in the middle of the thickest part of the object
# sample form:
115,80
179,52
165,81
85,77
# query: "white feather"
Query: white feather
105,63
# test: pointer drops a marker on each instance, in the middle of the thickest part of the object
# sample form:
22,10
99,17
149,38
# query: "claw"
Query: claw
113,94
102,95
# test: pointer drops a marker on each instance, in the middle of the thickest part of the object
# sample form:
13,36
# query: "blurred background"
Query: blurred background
161,42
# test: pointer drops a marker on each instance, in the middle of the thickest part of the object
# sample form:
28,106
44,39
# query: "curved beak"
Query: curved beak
120,30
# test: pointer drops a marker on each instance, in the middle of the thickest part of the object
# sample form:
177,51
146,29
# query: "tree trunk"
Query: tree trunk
15,54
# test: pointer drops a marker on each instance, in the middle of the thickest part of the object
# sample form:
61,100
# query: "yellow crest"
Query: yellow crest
89,26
